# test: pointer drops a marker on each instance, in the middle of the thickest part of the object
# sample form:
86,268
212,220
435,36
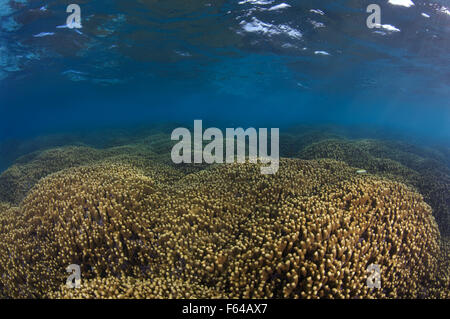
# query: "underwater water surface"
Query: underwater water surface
87,177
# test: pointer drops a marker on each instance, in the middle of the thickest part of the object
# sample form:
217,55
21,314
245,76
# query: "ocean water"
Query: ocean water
86,116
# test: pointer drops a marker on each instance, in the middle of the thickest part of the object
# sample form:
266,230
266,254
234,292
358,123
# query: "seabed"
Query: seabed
140,226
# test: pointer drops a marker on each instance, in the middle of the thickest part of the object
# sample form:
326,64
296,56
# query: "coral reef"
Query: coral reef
89,216
309,231
17,180
296,139
4,206
421,168
142,227
12,150
129,287
9,220
306,233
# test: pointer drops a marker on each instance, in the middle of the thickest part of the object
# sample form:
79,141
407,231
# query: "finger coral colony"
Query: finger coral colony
141,227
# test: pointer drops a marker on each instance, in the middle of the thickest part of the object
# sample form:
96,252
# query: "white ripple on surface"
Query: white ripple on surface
43,34
321,53
259,2
403,3
317,11
257,26
317,24
387,27
279,7
444,10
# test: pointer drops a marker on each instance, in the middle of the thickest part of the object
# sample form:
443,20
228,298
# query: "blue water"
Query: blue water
237,63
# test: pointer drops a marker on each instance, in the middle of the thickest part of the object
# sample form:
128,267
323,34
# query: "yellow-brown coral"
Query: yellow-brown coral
94,216
419,167
17,180
309,231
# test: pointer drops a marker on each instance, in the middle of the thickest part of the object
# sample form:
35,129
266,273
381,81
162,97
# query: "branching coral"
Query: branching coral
418,167
17,180
296,139
309,231
95,216
9,220
129,287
